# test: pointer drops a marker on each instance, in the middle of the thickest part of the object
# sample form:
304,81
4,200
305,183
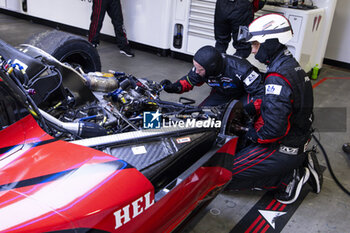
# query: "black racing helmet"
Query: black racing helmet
211,60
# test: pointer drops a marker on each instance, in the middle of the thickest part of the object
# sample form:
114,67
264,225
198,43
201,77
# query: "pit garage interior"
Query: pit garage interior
244,211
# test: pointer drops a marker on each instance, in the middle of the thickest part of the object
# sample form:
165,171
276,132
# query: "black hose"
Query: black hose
330,168
31,102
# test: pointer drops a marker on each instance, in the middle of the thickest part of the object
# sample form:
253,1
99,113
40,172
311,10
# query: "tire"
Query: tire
68,48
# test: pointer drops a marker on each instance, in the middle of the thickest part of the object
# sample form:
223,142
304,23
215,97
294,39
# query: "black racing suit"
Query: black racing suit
114,10
282,131
238,79
229,15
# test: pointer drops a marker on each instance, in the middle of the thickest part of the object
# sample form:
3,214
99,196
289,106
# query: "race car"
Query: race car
76,155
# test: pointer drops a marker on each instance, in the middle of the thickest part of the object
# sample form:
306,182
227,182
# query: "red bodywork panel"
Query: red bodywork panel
50,185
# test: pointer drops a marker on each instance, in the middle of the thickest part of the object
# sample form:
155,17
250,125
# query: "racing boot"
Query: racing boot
291,193
316,175
127,51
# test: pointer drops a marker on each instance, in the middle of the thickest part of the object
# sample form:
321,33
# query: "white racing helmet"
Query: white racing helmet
269,26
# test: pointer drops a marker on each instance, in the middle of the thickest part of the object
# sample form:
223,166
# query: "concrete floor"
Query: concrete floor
325,212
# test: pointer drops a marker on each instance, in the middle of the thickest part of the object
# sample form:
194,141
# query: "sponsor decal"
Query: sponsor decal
251,78
20,65
226,79
298,68
271,216
273,89
132,210
228,85
269,24
183,140
139,150
213,83
288,150
268,215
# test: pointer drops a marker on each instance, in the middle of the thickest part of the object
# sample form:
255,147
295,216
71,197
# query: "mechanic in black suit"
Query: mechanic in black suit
230,77
114,10
229,15
277,158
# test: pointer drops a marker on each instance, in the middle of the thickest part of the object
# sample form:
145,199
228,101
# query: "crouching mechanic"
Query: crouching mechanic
230,77
276,158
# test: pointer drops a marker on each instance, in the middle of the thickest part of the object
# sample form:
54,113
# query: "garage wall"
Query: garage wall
338,47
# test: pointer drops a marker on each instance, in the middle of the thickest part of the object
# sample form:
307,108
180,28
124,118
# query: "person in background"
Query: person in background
230,77
277,159
229,15
114,10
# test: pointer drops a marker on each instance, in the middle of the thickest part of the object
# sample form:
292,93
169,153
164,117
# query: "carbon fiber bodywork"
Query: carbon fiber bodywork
161,159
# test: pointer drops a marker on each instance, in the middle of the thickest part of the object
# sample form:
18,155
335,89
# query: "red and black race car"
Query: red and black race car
75,156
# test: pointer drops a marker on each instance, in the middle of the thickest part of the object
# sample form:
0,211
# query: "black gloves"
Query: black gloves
251,134
170,87
165,82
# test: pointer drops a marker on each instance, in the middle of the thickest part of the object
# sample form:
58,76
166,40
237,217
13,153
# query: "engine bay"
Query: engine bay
73,105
